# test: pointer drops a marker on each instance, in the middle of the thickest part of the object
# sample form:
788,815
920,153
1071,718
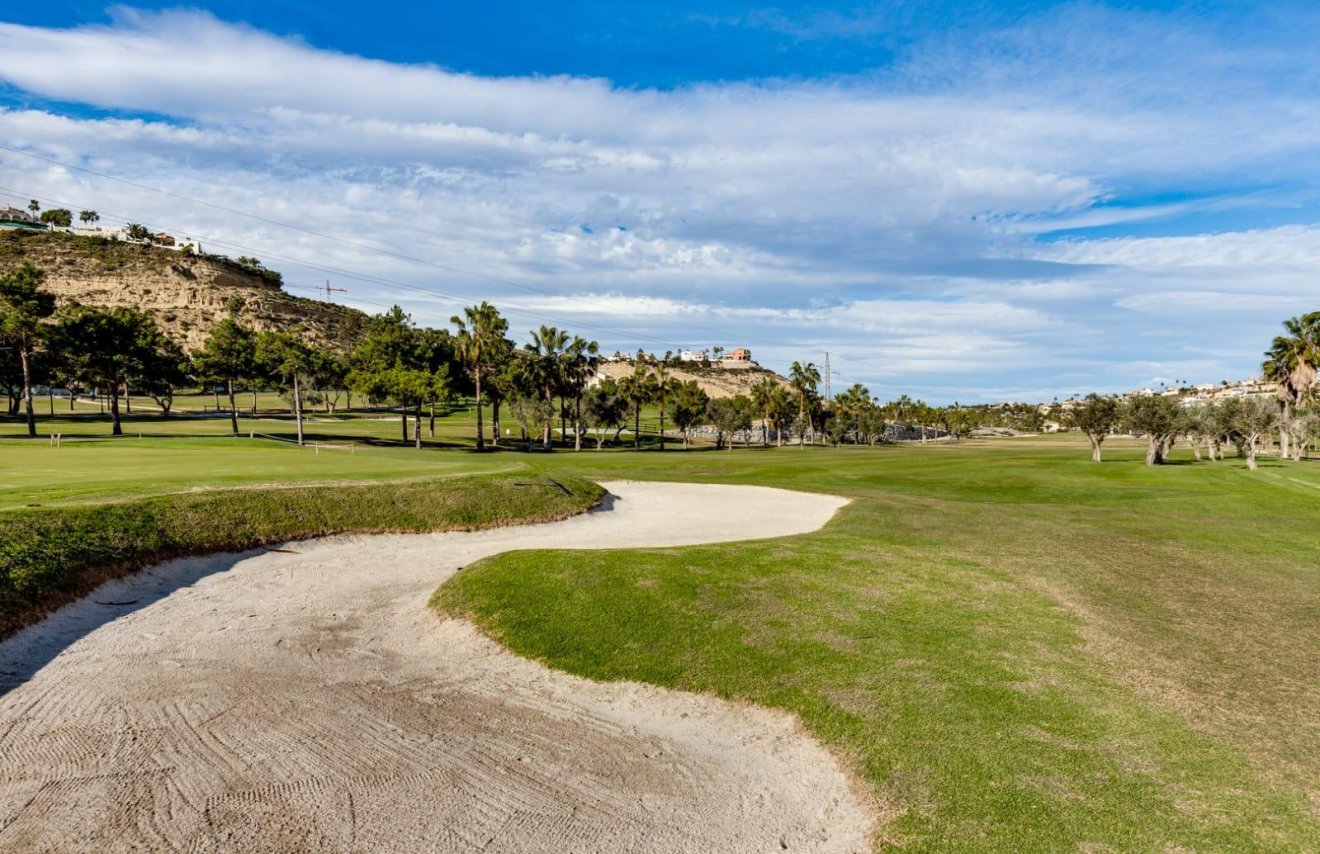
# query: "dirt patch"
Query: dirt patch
309,701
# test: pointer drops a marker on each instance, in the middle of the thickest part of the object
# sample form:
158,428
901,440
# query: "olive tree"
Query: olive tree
1159,419
1253,420
1097,417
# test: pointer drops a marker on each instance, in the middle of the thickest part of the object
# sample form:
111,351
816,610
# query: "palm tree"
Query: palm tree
663,386
580,361
804,379
481,348
35,207
638,389
1291,363
781,412
763,394
89,216
546,367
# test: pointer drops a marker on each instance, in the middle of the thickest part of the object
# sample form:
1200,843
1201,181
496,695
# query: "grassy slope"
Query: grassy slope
50,555
34,472
1015,649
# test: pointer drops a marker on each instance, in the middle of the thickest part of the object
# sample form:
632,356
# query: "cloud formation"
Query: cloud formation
1065,204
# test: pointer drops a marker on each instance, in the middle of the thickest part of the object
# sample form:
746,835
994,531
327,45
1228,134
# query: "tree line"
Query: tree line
551,377
1245,423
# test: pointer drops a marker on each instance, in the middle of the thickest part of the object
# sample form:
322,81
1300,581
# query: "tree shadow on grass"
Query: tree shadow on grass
24,654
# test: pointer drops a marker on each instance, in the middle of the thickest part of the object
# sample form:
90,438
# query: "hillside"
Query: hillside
185,294
718,380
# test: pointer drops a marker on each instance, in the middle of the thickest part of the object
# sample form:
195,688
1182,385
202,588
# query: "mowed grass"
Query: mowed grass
176,453
181,452
1014,649
35,473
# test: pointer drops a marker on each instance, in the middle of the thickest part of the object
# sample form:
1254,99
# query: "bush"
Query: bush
50,556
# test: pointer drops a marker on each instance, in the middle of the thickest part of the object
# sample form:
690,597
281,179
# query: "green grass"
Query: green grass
1013,648
50,555
33,472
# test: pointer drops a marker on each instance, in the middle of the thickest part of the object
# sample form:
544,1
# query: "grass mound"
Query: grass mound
1015,649
49,556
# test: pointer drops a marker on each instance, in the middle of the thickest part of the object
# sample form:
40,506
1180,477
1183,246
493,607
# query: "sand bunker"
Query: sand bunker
305,699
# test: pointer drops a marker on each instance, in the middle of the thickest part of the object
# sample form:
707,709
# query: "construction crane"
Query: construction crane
329,291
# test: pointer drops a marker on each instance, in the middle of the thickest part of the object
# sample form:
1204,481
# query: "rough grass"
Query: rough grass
49,556
1013,648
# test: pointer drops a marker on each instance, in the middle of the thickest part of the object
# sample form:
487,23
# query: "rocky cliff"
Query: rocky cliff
185,294
719,380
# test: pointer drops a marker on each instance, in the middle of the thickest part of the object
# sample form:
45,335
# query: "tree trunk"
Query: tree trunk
1196,450
115,428
233,405
297,406
637,426
24,357
128,399
1095,447
481,439
495,422
254,401
216,392
1251,454
417,427
577,422
549,425
662,425
1153,448
430,429
403,421
1284,436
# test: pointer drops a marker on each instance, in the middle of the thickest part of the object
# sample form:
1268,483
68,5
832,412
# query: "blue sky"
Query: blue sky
972,201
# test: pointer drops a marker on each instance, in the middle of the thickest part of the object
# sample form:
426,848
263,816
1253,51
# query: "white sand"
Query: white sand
307,700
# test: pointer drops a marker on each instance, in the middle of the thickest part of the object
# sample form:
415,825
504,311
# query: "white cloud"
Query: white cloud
892,219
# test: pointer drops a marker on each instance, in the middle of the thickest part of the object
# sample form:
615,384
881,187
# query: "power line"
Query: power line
311,232
380,280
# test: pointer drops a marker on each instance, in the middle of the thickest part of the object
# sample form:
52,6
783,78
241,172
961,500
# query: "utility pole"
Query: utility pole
827,374
329,290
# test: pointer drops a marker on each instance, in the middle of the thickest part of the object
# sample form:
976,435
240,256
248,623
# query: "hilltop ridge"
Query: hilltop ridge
717,379
186,294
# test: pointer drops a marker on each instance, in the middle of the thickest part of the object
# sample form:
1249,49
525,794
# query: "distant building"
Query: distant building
163,239
693,356
739,354
11,218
